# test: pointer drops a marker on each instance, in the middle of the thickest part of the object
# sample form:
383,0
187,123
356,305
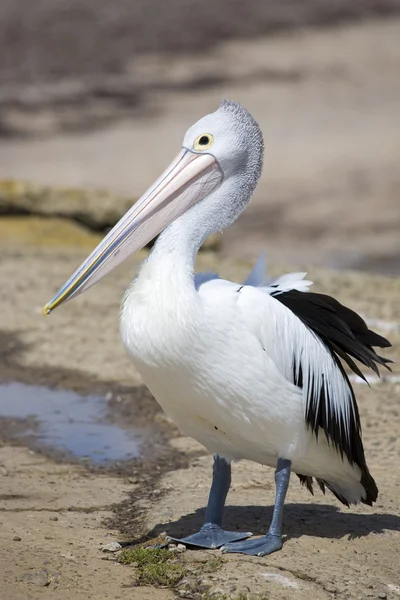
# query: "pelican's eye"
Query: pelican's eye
203,142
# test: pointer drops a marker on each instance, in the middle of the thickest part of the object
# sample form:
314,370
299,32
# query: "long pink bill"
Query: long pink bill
188,179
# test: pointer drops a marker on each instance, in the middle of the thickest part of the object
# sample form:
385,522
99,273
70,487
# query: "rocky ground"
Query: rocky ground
57,516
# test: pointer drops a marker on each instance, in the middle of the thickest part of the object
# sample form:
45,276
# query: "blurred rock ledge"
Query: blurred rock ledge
58,216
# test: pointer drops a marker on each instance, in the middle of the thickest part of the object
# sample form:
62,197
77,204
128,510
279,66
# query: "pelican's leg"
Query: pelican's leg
272,541
211,535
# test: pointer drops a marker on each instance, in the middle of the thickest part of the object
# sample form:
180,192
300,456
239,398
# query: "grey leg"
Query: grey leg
272,541
211,535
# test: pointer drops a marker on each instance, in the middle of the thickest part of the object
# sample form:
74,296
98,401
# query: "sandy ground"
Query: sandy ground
56,516
328,101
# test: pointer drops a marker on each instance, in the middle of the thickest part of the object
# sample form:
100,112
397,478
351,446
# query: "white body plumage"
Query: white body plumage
217,358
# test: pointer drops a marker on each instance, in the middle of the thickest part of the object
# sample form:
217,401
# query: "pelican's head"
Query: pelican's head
231,136
222,149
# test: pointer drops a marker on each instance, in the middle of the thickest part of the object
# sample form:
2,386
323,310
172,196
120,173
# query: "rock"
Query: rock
41,232
177,549
112,547
97,210
16,538
204,586
216,593
184,583
185,594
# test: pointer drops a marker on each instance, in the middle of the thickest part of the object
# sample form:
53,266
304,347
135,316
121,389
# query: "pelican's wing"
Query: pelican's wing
305,334
291,281
201,278
258,275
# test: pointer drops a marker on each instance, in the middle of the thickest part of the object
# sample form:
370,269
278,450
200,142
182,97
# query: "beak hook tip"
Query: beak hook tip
46,310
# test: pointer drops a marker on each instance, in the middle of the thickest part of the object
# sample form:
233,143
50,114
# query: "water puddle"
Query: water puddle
67,422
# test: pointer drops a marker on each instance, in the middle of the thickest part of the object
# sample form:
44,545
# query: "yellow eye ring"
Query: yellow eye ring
203,142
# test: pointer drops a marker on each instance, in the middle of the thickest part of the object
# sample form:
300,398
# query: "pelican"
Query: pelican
252,371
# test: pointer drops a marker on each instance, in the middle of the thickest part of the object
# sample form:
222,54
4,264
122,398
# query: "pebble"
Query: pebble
382,596
217,592
185,582
177,549
112,547
16,538
204,586
53,518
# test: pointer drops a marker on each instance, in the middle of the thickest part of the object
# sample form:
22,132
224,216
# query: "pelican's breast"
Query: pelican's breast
207,371
159,320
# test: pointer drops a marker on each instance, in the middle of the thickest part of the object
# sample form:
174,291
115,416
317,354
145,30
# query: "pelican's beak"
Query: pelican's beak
188,179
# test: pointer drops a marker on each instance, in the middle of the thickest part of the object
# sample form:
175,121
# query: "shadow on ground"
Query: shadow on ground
325,521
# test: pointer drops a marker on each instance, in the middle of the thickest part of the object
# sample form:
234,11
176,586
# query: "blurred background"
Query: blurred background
97,95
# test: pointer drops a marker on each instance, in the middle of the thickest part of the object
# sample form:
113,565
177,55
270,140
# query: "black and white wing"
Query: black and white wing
307,334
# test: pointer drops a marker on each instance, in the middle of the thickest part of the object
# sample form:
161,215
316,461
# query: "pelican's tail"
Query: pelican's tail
365,490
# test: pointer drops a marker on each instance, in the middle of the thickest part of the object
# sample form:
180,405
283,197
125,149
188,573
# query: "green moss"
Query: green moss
154,566
161,575
145,556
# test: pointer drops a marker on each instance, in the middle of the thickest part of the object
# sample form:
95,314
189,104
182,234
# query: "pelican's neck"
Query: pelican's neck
170,264
180,242
174,253
173,256
164,287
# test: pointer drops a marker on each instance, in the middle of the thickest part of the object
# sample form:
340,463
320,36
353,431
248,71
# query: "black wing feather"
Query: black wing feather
346,335
339,327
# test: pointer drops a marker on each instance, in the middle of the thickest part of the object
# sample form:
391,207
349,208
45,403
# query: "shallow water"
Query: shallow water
65,421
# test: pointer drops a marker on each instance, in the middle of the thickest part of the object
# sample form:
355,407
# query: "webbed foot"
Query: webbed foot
259,547
211,536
